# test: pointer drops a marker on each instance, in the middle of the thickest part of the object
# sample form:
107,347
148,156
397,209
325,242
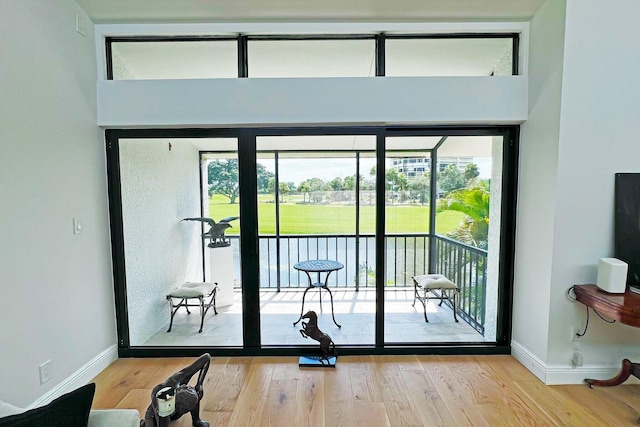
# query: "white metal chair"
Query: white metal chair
435,286
193,290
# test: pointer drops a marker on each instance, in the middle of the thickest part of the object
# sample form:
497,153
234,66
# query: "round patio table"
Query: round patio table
318,266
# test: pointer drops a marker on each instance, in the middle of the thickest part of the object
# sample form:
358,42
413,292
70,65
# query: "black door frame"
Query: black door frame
250,247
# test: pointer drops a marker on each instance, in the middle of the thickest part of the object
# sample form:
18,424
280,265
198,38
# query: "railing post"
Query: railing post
433,178
277,196
357,243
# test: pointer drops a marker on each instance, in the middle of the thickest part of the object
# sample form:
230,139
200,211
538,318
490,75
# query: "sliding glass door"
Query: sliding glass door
316,237
174,193
346,223
442,231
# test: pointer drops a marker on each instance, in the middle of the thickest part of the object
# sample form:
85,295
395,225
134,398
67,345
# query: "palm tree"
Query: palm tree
474,203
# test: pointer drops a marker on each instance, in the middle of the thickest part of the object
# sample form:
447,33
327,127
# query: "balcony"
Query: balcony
353,289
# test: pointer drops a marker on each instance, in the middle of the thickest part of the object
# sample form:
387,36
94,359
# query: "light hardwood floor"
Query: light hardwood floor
374,391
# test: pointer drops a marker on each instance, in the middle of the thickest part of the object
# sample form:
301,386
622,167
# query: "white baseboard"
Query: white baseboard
81,377
529,360
560,374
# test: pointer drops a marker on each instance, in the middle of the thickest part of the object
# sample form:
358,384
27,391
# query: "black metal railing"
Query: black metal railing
406,255
467,267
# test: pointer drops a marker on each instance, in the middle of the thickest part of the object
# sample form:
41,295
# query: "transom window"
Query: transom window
302,56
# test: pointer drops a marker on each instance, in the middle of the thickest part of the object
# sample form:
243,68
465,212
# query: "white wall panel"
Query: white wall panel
537,181
232,102
57,289
599,131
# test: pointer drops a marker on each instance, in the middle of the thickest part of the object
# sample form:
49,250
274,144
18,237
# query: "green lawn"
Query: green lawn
335,219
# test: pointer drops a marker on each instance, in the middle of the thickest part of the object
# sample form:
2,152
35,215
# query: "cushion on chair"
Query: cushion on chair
192,290
434,281
69,410
114,417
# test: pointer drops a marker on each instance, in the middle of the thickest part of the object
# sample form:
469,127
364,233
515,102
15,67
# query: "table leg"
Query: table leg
302,309
332,315
628,368
320,296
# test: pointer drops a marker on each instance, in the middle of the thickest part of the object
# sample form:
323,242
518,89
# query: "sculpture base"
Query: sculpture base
219,245
221,272
317,362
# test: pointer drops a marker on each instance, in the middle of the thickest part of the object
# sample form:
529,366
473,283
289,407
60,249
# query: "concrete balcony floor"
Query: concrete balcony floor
355,311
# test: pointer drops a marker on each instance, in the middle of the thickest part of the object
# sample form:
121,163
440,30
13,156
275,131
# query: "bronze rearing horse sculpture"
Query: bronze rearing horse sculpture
310,330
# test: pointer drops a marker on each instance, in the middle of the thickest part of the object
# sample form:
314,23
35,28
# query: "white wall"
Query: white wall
57,292
537,183
230,102
581,130
160,187
599,131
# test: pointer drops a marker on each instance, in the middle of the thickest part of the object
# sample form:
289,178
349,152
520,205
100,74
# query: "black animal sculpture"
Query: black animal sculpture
216,230
310,330
187,397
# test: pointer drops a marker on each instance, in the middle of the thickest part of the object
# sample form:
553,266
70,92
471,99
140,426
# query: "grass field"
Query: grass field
335,219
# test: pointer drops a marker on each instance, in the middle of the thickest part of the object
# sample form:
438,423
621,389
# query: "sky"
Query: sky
298,170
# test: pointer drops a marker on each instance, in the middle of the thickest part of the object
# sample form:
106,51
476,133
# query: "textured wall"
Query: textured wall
159,188
493,262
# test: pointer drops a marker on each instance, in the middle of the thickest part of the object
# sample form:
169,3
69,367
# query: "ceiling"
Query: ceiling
185,11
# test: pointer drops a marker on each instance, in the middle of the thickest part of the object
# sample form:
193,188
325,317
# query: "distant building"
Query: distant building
417,166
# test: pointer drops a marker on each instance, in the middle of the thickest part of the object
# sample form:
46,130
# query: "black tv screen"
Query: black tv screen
627,224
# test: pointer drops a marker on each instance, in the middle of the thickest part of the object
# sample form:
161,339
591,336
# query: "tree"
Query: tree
304,188
311,186
223,178
396,182
471,172
350,183
264,176
420,187
367,184
336,184
284,188
451,179
474,202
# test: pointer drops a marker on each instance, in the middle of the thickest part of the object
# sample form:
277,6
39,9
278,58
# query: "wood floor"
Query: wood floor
374,391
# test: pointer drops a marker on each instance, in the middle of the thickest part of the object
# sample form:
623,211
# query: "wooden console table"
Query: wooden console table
625,308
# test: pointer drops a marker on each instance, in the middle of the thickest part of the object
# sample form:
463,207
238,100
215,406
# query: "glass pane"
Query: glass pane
168,242
468,228
311,58
465,245
312,193
174,60
407,172
449,57
368,194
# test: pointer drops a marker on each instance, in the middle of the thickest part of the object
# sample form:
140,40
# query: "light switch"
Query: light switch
77,226
81,25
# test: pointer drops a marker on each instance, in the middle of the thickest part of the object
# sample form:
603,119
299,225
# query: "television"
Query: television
627,225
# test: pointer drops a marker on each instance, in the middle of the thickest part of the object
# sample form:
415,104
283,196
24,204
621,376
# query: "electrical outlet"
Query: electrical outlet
574,348
576,360
45,372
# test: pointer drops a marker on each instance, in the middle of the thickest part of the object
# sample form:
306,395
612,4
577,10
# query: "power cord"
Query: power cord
572,298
